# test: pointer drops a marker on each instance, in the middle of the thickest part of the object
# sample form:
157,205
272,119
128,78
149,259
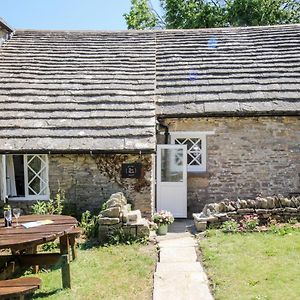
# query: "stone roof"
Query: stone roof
4,25
100,91
77,91
250,70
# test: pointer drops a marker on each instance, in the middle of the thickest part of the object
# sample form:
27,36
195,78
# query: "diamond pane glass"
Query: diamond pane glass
37,175
35,186
194,148
35,163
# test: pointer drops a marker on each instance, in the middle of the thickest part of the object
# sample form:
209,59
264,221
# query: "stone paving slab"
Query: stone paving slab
179,267
185,241
182,254
179,276
181,286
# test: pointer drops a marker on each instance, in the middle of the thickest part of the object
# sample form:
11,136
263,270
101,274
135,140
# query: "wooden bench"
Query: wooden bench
18,288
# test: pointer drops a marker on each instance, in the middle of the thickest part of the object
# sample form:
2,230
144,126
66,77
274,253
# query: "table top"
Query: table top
19,237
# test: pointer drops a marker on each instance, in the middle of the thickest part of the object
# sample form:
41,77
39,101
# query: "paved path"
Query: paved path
179,276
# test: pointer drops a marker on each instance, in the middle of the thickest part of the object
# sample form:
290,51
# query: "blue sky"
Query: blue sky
66,14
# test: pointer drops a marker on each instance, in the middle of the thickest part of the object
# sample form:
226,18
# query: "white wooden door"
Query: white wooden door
172,179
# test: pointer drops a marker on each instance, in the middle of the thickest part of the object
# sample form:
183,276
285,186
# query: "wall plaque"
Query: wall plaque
133,170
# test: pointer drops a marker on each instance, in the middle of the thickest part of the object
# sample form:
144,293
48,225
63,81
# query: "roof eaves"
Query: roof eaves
5,26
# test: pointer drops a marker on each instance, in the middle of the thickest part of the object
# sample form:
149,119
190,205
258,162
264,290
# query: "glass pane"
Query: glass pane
34,187
180,141
37,184
194,144
171,165
35,163
194,159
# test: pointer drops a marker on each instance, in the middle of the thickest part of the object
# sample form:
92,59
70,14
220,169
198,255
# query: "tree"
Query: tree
141,15
212,13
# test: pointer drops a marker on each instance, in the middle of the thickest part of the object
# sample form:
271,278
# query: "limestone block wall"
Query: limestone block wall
245,156
89,180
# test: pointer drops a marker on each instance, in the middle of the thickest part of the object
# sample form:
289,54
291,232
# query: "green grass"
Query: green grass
254,266
114,272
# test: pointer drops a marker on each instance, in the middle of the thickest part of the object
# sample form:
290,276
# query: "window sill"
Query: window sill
33,198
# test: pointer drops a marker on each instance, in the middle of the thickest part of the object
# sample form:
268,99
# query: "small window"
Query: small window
27,176
196,149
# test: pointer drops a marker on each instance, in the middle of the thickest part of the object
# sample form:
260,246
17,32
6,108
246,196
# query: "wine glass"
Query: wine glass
17,212
7,216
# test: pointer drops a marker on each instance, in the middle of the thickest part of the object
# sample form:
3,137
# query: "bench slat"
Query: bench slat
19,286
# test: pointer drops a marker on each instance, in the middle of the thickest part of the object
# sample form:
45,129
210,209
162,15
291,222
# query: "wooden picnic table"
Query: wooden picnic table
23,242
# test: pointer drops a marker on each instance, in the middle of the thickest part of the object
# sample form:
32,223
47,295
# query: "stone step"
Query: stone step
178,267
181,286
181,254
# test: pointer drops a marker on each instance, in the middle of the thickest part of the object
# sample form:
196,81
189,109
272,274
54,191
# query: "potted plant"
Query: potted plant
163,218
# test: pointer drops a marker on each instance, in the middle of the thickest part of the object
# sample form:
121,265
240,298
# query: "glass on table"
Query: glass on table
16,213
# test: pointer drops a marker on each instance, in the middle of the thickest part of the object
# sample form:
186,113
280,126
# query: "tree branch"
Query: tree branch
162,21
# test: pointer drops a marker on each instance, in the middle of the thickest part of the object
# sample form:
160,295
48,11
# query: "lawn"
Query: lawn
254,266
114,272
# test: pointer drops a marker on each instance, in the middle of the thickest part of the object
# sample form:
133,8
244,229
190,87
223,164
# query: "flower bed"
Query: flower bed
279,208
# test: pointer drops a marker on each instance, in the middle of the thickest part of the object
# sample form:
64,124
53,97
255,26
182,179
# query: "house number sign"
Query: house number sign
133,170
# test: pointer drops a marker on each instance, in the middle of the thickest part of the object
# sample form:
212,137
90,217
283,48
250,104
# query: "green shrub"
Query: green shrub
89,224
293,221
50,246
119,236
51,207
282,230
230,226
249,222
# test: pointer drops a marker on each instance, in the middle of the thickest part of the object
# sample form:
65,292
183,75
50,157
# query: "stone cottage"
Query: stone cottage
174,119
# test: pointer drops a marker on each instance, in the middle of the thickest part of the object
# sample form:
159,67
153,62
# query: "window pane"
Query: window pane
194,159
35,163
37,175
171,165
35,185
19,174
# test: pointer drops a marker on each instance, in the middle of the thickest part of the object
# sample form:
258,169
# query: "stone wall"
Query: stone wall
89,180
245,156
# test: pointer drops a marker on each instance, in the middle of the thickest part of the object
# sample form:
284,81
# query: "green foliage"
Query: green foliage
51,207
249,222
140,15
230,226
104,206
282,230
293,221
89,224
262,12
48,247
184,14
119,236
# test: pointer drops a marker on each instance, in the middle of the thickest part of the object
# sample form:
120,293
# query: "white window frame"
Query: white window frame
28,197
194,135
